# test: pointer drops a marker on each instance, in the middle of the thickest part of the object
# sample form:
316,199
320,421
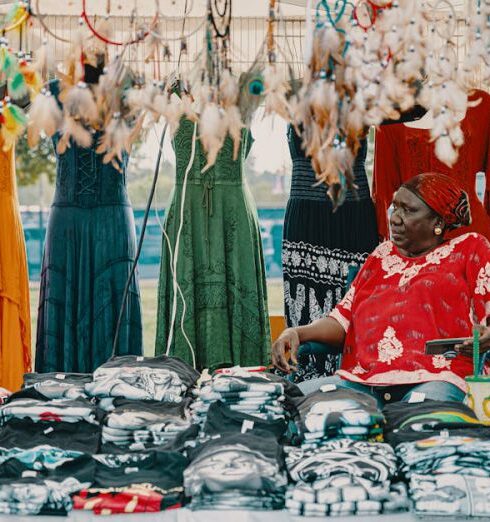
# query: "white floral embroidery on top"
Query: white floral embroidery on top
483,280
393,264
348,298
383,250
389,348
358,369
439,361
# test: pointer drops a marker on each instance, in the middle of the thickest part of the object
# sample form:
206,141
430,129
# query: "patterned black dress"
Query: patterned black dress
321,248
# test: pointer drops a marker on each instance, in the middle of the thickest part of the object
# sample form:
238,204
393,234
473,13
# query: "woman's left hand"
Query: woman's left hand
466,348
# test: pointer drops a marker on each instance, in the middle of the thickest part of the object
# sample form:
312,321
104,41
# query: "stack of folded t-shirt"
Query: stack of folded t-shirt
242,471
26,433
136,482
407,422
26,491
260,394
338,413
141,424
448,474
344,477
58,385
142,378
42,408
339,468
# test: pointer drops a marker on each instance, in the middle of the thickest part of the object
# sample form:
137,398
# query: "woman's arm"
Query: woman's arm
326,330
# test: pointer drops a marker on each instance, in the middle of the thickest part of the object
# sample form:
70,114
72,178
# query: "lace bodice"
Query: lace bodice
226,169
83,180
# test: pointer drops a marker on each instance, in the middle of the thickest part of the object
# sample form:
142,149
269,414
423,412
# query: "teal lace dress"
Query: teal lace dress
89,250
220,267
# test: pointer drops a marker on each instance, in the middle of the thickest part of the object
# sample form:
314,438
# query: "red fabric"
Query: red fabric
443,195
139,498
397,303
403,152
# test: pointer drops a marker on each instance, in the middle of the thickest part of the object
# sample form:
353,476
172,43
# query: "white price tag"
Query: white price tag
328,387
48,430
60,376
417,397
29,473
140,358
247,425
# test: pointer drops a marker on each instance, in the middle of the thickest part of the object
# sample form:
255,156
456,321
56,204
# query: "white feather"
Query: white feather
44,115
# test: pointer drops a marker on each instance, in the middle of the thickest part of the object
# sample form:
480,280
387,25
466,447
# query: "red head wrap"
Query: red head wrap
444,196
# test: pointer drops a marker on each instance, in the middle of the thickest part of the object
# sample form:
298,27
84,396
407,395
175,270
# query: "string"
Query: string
177,243
140,245
174,276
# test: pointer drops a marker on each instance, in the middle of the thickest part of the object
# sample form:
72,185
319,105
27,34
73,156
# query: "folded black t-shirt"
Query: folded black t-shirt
221,420
407,422
25,434
261,442
186,372
163,469
72,378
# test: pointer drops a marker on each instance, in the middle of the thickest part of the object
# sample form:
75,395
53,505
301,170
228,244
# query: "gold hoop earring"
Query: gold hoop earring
438,231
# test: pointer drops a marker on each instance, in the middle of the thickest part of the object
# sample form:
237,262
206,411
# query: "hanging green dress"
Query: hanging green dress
220,265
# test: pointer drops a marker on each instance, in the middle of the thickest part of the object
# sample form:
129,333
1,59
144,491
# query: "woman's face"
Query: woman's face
412,224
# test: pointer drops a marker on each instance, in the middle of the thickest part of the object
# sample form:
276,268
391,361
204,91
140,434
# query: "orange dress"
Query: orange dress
15,322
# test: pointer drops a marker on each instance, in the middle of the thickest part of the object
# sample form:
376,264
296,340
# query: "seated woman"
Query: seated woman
412,289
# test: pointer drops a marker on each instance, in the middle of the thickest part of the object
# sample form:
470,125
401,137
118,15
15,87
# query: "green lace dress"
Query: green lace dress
220,267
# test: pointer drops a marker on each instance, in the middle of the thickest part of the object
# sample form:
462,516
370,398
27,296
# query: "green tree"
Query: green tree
32,163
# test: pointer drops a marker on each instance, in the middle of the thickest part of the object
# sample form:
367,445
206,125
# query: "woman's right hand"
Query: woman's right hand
288,341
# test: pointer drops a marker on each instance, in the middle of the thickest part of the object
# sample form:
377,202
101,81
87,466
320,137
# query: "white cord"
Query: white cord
174,258
174,277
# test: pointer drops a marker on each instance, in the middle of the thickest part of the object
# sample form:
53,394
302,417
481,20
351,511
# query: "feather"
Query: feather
71,129
115,141
135,132
135,99
44,115
160,103
228,89
31,77
445,151
188,107
7,60
42,60
329,40
79,104
173,111
14,122
457,136
17,86
212,133
276,89
234,125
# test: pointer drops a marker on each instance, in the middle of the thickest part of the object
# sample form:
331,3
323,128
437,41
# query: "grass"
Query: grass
149,290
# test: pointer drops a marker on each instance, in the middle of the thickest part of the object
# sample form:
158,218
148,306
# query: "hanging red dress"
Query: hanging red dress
402,152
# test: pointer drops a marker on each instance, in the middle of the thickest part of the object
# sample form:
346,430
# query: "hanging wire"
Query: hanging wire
140,242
